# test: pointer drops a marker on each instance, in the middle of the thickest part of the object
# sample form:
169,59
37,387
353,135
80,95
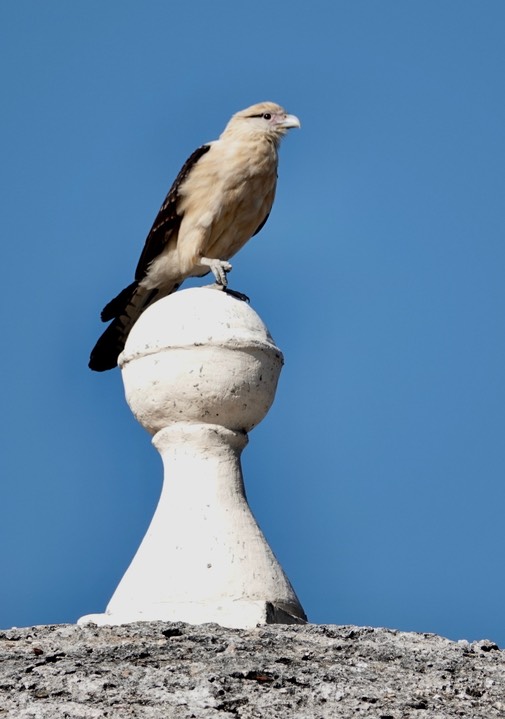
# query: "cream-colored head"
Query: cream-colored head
265,119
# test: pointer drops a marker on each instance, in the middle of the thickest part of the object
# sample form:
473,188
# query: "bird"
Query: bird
221,198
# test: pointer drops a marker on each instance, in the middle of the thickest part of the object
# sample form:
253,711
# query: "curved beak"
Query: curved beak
289,121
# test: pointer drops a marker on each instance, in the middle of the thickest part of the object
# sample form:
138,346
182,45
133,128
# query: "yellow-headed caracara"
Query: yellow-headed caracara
221,198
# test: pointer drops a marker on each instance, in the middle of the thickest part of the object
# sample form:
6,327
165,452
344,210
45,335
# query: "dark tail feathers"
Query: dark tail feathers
124,310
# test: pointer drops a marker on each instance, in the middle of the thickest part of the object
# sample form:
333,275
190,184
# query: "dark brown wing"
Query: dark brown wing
167,218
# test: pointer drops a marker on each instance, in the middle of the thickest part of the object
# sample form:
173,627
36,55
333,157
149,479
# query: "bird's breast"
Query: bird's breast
227,196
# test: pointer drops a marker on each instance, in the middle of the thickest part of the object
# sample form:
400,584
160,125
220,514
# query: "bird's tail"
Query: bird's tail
124,310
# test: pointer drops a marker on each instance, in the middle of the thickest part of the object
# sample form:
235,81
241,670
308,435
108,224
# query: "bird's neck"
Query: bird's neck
259,140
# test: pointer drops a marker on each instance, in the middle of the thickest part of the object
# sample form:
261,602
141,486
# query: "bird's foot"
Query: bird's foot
219,269
228,291
237,295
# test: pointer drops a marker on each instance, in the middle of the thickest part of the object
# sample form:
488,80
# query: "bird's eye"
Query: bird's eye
267,116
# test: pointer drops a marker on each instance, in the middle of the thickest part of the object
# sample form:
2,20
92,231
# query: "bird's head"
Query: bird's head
266,119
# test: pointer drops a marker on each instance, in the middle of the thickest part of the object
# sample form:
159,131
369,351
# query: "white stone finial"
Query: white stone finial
200,371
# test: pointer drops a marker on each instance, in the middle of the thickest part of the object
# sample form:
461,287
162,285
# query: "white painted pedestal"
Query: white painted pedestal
200,371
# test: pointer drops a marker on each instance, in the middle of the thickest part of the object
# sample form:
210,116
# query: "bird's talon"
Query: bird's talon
219,268
237,295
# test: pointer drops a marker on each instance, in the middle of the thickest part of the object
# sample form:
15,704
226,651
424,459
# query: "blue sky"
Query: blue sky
378,476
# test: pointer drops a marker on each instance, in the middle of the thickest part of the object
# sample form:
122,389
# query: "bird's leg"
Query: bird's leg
219,268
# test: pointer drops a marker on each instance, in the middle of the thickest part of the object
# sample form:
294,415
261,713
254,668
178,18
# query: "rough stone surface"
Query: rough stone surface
157,670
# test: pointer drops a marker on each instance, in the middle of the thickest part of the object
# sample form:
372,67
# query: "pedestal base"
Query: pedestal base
200,371
232,614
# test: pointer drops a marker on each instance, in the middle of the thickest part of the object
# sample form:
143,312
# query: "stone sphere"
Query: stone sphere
200,355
